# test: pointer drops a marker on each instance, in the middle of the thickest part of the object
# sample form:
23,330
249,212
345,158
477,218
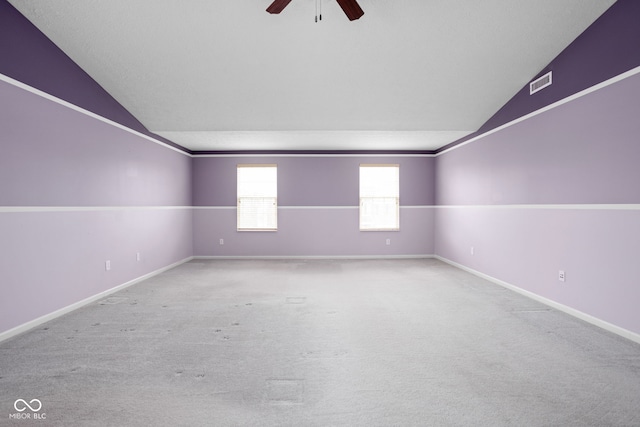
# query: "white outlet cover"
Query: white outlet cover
561,276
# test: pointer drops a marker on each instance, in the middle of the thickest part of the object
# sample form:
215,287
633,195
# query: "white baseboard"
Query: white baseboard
47,317
571,311
561,307
302,257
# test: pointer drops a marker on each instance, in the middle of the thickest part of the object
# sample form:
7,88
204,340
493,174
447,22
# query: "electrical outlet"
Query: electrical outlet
107,265
222,241
138,256
472,250
561,276
388,242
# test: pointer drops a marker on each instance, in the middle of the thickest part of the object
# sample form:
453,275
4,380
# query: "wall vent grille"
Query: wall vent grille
540,83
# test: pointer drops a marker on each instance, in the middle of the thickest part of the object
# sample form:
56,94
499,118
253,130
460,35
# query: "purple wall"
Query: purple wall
582,154
114,192
606,49
120,194
318,208
55,156
584,151
93,174
30,57
330,180
559,190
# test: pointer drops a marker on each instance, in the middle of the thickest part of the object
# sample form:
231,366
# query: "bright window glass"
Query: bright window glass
257,197
379,197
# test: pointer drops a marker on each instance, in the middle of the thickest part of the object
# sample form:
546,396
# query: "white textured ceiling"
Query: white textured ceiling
226,75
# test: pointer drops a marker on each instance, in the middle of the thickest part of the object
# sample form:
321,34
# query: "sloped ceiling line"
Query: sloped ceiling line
218,75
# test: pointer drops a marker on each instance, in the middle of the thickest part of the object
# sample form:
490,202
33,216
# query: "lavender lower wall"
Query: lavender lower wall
313,232
557,191
318,208
526,247
54,259
76,191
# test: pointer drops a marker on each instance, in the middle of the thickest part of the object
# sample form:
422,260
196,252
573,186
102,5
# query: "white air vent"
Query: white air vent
540,83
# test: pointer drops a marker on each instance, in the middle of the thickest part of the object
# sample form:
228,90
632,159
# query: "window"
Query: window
379,197
257,197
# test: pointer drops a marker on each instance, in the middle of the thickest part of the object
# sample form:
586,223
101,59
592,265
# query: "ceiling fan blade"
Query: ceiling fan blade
351,9
277,6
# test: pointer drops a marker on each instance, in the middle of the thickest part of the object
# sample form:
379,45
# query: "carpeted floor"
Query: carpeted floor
319,343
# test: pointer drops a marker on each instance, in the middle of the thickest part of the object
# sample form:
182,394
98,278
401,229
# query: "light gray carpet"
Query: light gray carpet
320,343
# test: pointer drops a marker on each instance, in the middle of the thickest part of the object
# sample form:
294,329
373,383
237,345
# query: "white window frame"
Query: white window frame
379,200
265,200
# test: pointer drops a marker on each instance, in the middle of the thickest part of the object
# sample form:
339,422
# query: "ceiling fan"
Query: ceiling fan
351,8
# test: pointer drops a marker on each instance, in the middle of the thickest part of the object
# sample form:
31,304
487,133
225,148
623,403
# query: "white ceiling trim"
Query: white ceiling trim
313,140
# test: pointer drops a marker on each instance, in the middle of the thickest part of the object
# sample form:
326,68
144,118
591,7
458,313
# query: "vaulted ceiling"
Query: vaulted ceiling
227,75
